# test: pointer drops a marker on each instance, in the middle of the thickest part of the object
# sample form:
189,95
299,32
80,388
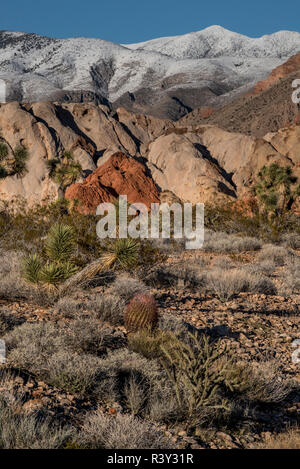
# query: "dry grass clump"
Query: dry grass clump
276,254
226,243
87,335
291,276
71,372
259,382
109,308
57,354
291,240
223,262
265,267
290,439
69,306
11,284
127,287
119,367
179,276
227,285
101,431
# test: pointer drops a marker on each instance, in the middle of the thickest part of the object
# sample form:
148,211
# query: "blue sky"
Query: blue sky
126,21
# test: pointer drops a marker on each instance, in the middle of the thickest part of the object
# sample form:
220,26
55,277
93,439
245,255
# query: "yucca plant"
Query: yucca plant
121,253
52,274
60,243
31,268
59,248
141,314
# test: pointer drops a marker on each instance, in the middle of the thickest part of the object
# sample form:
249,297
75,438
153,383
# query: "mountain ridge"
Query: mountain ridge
213,66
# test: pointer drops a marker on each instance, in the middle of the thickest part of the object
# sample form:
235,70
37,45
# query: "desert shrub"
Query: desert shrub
30,346
291,240
291,276
69,306
225,243
72,372
108,308
226,286
21,156
25,229
22,431
87,335
223,262
64,171
289,439
47,351
276,254
11,284
177,276
3,151
128,287
258,382
121,366
265,267
197,372
8,321
276,194
121,432
170,324
141,313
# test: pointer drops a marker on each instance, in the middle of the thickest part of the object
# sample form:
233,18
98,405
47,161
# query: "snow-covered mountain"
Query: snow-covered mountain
166,77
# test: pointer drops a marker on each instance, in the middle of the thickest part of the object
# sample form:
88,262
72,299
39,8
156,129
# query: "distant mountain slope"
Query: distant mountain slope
166,77
267,108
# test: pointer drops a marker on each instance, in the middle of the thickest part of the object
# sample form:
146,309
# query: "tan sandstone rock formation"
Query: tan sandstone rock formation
208,164
88,130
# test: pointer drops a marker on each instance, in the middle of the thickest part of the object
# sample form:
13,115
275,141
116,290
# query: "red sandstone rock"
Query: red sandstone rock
120,175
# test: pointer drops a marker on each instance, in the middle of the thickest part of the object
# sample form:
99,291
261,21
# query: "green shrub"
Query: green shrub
197,372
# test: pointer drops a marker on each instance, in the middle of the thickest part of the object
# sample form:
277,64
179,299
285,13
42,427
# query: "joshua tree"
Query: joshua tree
17,165
64,171
276,191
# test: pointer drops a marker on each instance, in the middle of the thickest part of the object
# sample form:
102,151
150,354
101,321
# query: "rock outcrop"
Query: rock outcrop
208,164
120,175
87,130
142,157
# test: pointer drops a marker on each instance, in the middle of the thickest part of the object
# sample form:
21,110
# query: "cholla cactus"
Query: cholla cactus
141,313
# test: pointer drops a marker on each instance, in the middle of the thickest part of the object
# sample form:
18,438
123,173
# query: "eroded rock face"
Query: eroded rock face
120,175
87,130
208,164
195,163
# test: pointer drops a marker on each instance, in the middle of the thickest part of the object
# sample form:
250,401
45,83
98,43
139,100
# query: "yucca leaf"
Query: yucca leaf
31,270
60,243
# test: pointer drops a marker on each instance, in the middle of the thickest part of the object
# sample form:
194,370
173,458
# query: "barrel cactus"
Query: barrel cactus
141,313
